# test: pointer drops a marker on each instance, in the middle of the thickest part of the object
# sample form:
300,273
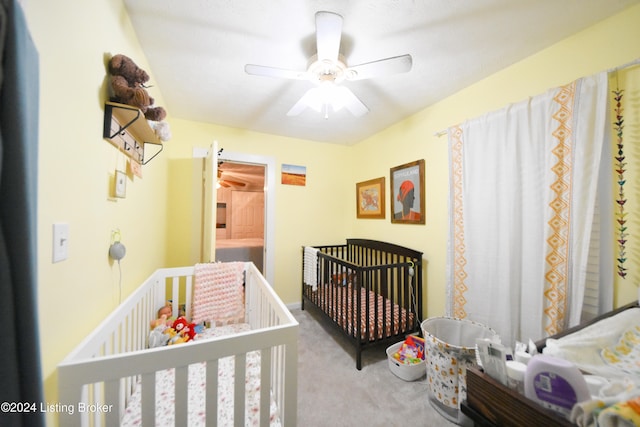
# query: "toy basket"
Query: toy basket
405,371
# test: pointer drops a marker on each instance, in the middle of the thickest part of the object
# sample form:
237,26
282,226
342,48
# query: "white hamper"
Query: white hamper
449,350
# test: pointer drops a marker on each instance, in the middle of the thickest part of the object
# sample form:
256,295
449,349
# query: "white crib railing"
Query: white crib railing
97,379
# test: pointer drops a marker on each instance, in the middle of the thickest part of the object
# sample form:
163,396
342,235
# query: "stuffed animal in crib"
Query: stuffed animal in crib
166,309
161,321
128,87
343,279
160,336
184,329
164,316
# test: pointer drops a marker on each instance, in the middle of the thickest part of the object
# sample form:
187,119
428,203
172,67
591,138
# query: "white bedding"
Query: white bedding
165,390
585,347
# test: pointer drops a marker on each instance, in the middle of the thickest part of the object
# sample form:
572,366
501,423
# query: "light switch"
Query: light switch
60,241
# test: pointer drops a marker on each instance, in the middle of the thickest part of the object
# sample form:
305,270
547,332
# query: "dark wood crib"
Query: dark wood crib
369,290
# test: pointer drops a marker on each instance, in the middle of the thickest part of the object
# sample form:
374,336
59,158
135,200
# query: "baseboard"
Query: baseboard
294,306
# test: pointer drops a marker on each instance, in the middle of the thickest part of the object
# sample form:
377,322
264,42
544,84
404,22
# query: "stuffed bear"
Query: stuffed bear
127,83
121,65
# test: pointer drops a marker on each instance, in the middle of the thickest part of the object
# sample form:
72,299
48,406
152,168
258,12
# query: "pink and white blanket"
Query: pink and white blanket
218,293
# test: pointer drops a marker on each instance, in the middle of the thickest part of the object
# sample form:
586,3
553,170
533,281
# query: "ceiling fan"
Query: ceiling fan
328,69
225,182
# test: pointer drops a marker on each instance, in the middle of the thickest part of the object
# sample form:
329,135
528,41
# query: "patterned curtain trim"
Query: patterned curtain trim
459,272
621,200
555,294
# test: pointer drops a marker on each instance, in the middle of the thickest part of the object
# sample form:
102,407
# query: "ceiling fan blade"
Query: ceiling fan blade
299,106
320,101
328,35
234,183
261,70
381,67
353,103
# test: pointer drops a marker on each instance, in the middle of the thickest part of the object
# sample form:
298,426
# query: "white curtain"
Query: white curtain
524,182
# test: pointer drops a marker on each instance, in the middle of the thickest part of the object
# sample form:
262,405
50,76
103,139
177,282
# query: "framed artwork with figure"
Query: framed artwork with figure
370,199
407,193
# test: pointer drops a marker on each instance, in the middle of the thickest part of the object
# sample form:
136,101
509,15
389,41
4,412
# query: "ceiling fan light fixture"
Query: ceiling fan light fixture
325,97
328,69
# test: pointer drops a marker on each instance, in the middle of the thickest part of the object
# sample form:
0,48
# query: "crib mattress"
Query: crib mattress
380,326
165,391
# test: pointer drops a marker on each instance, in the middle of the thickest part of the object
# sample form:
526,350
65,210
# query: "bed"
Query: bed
235,374
249,249
369,290
489,403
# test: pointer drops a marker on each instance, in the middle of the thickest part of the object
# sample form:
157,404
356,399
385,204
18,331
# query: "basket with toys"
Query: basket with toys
406,359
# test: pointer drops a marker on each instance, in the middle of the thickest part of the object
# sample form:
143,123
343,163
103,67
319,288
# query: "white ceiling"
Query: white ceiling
197,50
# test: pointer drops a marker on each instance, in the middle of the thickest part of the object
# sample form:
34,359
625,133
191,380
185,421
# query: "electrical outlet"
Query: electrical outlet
60,241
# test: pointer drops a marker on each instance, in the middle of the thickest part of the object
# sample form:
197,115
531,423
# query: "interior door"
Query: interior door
209,199
209,179
248,216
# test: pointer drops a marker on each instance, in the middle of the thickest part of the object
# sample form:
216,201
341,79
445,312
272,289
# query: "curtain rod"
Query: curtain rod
627,65
610,70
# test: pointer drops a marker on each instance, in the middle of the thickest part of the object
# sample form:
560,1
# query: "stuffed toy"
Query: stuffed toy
161,321
128,86
166,309
161,129
166,332
185,329
160,336
164,316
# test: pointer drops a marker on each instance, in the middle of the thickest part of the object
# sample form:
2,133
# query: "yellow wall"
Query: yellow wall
76,167
604,46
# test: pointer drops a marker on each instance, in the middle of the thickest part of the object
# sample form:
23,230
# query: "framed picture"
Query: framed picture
370,199
294,175
407,193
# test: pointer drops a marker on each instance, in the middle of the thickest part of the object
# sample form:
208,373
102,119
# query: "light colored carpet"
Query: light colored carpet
332,392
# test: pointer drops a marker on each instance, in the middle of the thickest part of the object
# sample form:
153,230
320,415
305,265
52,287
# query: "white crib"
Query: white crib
97,380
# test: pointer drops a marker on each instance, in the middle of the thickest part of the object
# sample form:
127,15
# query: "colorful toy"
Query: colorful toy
168,331
411,351
185,329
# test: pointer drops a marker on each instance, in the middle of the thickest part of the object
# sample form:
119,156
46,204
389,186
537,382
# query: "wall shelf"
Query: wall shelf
126,127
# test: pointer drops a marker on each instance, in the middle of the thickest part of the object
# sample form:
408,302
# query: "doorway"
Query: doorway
240,212
209,226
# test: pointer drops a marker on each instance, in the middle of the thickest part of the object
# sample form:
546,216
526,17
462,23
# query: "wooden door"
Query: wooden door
247,214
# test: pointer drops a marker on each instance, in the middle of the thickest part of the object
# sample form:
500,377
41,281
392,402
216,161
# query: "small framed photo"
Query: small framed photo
407,193
370,199
294,175
120,184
